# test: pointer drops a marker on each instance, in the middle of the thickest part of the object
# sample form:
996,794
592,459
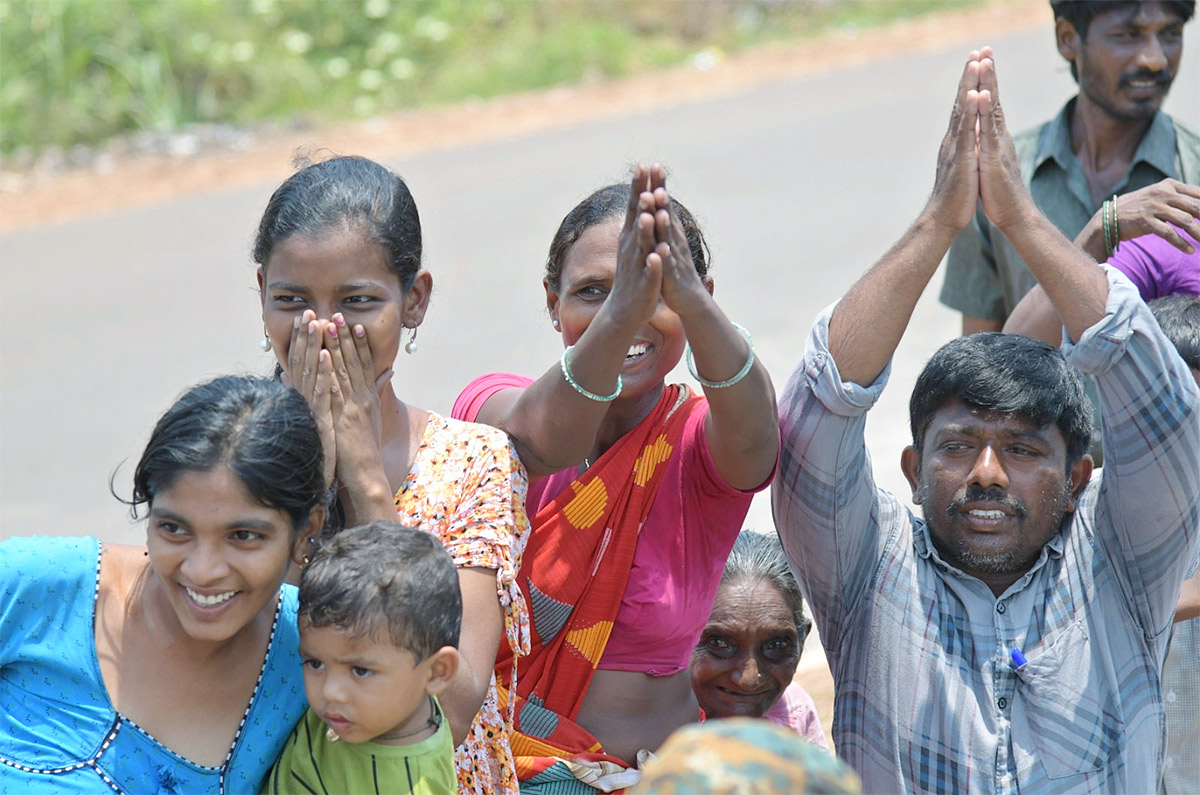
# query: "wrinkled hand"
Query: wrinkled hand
1153,209
637,284
1006,201
956,184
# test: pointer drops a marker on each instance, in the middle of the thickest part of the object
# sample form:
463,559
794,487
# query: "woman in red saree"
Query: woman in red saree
639,487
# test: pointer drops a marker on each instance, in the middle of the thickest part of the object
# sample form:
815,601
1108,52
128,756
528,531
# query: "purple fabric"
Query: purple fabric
1157,268
795,708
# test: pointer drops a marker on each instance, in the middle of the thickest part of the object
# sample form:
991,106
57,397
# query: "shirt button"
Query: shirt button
1002,702
1170,696
1000,608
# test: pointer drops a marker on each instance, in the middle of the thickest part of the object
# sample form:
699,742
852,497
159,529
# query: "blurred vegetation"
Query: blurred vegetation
83,71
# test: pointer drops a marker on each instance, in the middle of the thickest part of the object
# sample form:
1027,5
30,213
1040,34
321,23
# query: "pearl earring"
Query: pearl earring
410,347
265,343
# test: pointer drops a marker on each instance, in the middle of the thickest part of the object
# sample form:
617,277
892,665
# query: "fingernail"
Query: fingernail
332,330
296,323
312,327
341,321
359,331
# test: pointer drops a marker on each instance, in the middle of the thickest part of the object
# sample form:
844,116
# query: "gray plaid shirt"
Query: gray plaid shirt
927,698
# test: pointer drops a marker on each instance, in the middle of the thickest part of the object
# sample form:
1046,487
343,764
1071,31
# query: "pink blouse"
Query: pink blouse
681,552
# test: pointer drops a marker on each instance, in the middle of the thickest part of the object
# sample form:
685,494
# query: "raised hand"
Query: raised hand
309,372
638,280
956,182
1154,210
682,288
356,418
1002,191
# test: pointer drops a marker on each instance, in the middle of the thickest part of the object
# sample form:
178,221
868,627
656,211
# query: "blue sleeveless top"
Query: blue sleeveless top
59,732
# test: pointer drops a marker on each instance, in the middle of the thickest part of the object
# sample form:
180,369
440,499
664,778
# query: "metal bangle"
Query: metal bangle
566,371
691,364
1105,211
1116,226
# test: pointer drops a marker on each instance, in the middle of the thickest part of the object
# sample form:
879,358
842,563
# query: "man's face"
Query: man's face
1127,61
994,489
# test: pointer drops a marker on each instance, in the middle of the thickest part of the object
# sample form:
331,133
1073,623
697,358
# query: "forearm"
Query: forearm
1075,285
365,493
869,321
743,423
552,423
1091,239
1189,600
482,628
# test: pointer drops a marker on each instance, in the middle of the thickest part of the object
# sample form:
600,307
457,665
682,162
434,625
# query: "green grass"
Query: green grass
83,71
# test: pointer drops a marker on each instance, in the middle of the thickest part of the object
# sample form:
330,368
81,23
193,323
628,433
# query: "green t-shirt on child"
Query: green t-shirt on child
311,763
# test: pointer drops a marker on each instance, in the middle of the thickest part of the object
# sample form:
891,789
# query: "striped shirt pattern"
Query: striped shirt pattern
927,697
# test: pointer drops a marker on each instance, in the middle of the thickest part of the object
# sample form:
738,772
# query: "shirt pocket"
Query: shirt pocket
1066,714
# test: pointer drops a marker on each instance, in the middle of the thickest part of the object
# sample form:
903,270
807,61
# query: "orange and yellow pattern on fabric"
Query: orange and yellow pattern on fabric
573,577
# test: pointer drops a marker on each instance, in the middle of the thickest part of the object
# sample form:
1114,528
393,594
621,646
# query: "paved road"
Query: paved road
800,184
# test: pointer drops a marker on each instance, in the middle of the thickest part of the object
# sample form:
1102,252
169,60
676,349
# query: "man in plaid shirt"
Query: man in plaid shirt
1011,638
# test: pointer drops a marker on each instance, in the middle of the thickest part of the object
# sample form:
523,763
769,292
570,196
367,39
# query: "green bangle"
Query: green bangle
566,371
1116,227
1108,246
691,364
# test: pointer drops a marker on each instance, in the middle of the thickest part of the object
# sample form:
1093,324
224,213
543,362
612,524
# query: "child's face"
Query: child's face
363,688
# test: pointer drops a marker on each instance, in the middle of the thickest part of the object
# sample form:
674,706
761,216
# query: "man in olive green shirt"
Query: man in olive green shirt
1111,139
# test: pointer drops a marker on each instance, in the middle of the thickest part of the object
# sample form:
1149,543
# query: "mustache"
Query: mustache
1161,76
994,495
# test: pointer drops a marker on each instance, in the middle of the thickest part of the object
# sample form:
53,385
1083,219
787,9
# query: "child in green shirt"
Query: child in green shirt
379,619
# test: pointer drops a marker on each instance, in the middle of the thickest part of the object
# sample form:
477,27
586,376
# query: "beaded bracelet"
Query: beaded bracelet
566,371
691,364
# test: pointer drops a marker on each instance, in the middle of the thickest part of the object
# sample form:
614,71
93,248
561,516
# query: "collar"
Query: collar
924,548
1157,147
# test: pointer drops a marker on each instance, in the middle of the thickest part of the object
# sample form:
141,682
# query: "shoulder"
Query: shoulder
42,559
471,444
1187,146
475,394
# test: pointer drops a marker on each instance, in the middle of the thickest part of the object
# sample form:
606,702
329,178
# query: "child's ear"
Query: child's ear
443,665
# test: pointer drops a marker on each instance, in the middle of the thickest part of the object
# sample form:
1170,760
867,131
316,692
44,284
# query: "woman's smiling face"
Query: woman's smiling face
339,272
588,271
220,554
748,652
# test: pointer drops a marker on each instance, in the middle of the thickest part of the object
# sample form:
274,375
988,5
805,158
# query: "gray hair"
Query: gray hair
760,556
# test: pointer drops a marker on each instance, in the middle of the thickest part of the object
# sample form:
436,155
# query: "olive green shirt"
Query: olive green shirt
984,276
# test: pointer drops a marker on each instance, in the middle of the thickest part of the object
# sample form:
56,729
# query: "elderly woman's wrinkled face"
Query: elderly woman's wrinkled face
747,653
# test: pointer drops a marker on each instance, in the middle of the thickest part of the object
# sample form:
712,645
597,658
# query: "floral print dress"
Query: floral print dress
468,487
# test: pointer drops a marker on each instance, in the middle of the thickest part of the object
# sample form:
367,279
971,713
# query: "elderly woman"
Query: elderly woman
748,652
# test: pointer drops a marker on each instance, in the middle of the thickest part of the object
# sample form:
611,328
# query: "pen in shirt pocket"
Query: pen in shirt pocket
1018,659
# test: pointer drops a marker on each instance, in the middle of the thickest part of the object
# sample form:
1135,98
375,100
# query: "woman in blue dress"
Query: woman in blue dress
171,668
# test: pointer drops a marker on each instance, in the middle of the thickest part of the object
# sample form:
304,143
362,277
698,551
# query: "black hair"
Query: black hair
1080,14
612,201
384,577
1005,374
259,428
1179,318
346,193
760,556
